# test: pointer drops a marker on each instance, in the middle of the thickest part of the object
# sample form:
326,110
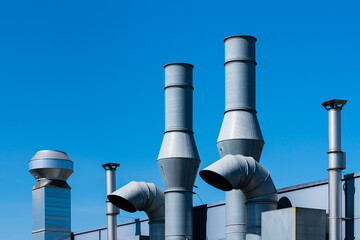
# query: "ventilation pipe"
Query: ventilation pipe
240,145
178,159
337,163
111,210
51,200
142,196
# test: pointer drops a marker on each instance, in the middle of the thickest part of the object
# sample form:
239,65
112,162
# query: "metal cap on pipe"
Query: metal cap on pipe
334,103
51,164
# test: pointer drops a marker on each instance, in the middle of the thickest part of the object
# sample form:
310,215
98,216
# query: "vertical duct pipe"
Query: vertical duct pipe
51,199
142,196
240,132
240,136
337,163
111,209
178,159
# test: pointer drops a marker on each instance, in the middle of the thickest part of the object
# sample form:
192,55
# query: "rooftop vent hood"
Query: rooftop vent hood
51,199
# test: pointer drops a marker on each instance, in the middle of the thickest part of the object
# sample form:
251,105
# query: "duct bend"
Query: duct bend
245,173
142,196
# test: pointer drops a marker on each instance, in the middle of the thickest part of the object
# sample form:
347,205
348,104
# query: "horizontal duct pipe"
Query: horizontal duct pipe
244,173
142,196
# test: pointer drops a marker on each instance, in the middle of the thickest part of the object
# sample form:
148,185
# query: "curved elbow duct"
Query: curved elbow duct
244,173
142,196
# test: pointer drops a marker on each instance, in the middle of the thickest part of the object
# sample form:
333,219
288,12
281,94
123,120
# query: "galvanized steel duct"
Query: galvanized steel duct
178,159
337,163
111,210
51,195
142,196
240,132
240,172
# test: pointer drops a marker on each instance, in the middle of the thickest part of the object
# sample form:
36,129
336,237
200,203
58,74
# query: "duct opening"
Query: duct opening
216,180
244,173
121,203
142,196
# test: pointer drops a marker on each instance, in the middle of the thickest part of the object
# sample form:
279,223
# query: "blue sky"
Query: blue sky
86,77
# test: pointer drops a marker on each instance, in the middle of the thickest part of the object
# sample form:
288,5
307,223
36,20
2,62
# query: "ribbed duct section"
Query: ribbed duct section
178,159
142,196
240,131
240,144
51,195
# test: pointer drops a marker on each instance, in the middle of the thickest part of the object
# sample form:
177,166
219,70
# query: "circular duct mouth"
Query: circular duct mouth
216,180
121,203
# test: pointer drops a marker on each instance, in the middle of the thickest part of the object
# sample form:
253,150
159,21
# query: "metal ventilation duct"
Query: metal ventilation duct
51,200
240,135
178,159
240,172
111,210
337,163
142,196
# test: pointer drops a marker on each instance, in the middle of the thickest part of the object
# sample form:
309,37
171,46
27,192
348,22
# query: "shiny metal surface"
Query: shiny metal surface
235,222
240,131
142,196
337,162
178,159
51,164
244,173
51,197
111,209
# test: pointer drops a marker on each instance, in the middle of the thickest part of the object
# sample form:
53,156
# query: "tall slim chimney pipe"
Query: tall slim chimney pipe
51,195
111,209
337,163
178,159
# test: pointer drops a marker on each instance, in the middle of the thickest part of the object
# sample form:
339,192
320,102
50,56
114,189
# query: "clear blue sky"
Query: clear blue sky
86,77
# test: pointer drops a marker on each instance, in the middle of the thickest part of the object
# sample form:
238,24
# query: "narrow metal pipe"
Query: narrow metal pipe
178,159
235,215
337,163
111,210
